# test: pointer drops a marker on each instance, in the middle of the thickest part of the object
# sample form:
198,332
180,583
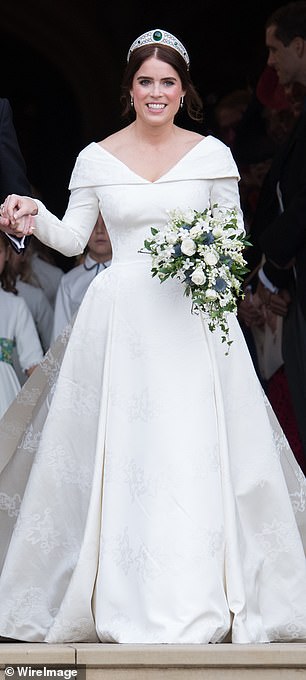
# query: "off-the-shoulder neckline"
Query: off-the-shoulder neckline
188,153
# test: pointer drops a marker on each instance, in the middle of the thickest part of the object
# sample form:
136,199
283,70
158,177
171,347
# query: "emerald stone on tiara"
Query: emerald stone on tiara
157,36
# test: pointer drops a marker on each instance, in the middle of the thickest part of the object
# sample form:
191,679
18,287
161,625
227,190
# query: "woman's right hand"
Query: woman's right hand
17,215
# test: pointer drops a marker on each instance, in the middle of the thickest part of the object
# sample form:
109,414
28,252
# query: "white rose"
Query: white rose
198,277
188,246
211,258
171,238
211,294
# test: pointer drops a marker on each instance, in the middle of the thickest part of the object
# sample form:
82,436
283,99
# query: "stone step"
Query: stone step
156,662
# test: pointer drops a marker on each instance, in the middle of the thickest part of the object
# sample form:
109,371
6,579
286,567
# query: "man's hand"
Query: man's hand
24,227
278,303
4,221
250,312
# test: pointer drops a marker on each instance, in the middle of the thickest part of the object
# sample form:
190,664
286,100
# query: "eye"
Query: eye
144,82
169,83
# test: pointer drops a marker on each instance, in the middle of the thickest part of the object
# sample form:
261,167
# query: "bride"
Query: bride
147,492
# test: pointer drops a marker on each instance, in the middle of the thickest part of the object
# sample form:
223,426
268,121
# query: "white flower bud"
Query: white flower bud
194,231
211,294
217,232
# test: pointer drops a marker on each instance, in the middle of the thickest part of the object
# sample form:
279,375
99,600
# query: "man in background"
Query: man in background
279,225
13,176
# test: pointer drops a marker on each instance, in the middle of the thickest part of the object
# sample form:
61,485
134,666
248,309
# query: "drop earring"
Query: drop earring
182,102
132,101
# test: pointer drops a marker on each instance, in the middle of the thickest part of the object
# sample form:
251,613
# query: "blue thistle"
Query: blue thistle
220,284
177,251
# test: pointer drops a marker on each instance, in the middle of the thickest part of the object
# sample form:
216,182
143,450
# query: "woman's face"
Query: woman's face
156,91
3,255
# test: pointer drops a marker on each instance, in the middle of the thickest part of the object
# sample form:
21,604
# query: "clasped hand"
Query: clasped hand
263,307
17,215
278,303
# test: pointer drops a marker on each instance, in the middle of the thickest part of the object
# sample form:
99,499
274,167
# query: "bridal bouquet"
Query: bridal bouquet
204,250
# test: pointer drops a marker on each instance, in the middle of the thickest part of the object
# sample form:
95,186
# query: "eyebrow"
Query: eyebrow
151,78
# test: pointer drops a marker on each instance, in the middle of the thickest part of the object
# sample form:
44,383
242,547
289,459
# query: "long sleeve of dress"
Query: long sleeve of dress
71,234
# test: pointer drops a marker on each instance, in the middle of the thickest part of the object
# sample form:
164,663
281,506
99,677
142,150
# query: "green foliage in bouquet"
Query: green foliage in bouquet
204,250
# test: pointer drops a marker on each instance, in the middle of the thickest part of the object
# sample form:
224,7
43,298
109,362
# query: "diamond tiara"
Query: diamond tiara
159,37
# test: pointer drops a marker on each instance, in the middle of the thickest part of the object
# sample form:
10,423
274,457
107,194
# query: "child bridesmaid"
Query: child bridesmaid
17,328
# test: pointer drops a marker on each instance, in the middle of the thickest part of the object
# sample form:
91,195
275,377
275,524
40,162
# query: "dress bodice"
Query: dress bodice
130,204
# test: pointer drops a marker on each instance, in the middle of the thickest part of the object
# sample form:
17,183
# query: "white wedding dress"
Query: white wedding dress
148,494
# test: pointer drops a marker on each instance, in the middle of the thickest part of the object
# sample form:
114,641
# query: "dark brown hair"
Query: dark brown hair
170,56
8,277
289,21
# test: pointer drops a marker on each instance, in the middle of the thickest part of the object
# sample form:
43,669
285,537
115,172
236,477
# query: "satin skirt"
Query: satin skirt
148,494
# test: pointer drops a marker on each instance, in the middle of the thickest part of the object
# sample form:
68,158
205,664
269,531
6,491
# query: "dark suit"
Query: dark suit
282,237
13,177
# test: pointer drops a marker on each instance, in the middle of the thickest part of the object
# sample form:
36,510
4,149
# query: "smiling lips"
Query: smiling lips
156,107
